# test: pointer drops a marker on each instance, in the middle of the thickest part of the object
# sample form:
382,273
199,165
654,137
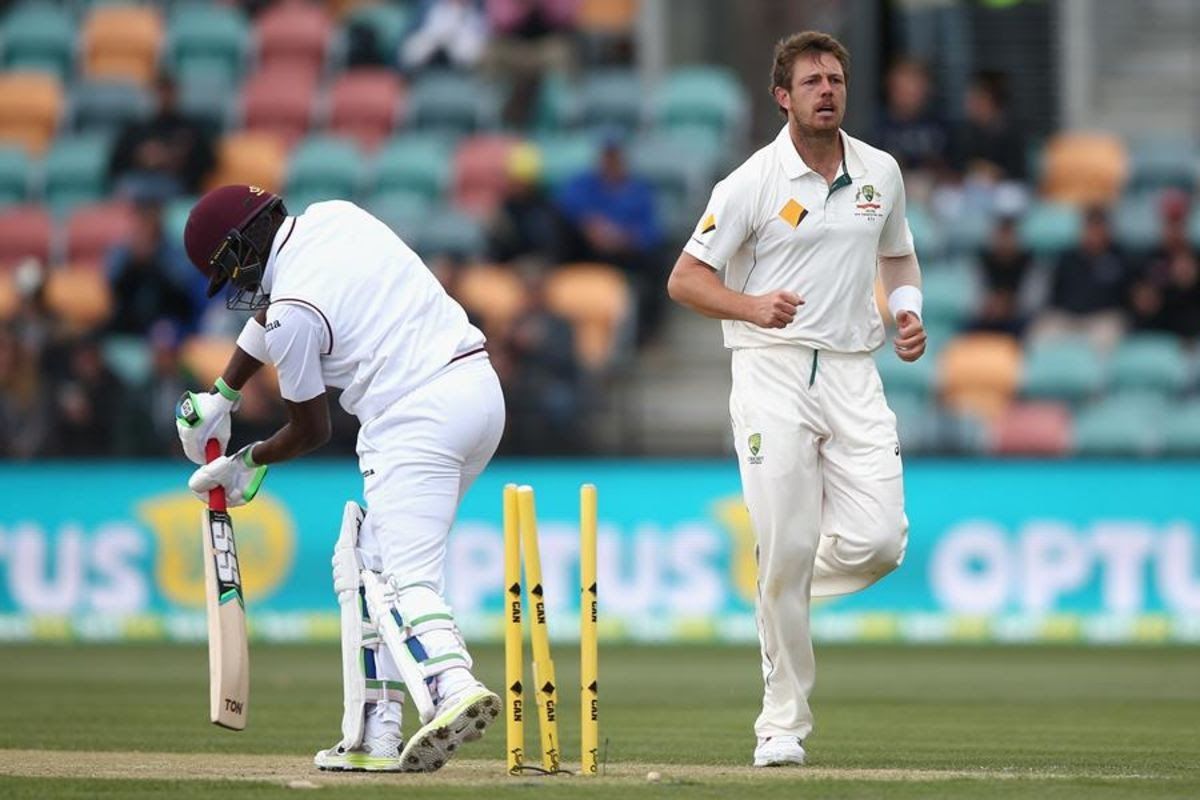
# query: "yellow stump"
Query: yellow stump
514,700
545,689
589,711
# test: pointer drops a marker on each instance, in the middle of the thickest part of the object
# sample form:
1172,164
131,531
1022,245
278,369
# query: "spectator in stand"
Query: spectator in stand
446,33
1090,286
87,404
527,229
168,380
909,128
990,147
23,418
531,38
611,218
1006,264
1166,294
170,144
150,276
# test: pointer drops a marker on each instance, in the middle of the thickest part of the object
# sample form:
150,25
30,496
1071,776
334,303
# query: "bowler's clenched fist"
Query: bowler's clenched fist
910,336
775,309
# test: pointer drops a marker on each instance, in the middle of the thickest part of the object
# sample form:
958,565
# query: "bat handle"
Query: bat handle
216,496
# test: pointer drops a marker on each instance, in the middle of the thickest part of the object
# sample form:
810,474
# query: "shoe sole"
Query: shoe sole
357,762
434,744
783,762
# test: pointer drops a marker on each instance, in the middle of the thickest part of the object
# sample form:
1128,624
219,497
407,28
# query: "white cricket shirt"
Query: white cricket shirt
774,223
353,307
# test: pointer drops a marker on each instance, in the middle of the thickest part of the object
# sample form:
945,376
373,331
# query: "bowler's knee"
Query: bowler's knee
886,547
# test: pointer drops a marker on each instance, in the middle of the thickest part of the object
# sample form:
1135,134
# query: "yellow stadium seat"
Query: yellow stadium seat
122,43
30,105
10,300
1084,169
255,158
979,373
596,300
79,296
495,293
206,357
607,16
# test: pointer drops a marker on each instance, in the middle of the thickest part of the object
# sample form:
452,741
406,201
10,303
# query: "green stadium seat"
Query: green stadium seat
951,294
207,97
1159,162
39,37
709,96
927,235
175,217
1154,362
129,358
208,39
75,171
1137,224
1121,425
557,106
386,22
414,163
914,379
452,103
677,162
449,233
1049,228
611,98
1065,368
916,421
14,176
565,155
404,212
967,233
323,168
1181,430
105,106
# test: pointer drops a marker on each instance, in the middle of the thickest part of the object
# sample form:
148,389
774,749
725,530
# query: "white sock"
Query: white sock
383,719
455,680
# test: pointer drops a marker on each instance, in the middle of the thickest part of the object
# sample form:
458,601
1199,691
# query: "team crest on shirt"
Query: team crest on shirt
755,444
866,202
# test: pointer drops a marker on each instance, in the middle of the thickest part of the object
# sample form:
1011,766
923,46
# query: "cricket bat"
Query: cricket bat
228,651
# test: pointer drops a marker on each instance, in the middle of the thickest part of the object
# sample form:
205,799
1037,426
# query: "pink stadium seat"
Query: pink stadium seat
1033,429
25,231
280,102
481,173
364,106
93,230
294,36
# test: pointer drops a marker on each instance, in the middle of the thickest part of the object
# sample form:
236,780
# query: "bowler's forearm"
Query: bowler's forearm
697,286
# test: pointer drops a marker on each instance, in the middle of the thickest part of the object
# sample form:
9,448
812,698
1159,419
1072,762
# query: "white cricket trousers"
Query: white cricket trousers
418,458
821,475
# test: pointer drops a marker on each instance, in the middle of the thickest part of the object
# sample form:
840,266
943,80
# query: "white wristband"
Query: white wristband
905,298
253,341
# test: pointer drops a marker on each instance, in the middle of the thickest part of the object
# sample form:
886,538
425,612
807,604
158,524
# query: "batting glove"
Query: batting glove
200,417
237,474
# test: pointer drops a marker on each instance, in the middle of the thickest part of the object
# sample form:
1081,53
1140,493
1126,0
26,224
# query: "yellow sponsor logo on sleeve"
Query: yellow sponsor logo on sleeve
709,223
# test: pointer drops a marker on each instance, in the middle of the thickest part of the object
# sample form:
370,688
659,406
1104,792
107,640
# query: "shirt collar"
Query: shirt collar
281,237
794,166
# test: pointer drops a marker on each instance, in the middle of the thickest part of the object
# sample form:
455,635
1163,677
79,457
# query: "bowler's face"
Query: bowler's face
817,100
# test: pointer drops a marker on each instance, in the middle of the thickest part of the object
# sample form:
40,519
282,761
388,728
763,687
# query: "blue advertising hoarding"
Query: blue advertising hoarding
998,551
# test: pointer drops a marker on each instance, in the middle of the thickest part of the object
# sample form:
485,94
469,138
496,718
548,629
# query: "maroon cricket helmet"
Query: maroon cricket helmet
218,237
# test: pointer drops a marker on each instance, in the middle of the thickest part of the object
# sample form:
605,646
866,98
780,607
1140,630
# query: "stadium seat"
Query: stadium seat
122,42
967,233
1084,169
75,171
30,106
14,176
279,102
927,234
595,298
452,104
365,104
387,23
254,158
1136,221
481,173
611,98
951,295
414,163
678,164
128,357
406,213
39,38
1047,228
25,232
1152,362
493,293
104,107
10,296
323,168
79,296
295,37
448,232
1181,429
709,96
208,40
1063,368
175,217
916,421
93,230
979,373
205,357
1032,429
1121,425
606,16
916,378
1160,162
564,155
207,97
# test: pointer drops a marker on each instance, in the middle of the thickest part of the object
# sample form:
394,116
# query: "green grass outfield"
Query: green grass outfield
905,722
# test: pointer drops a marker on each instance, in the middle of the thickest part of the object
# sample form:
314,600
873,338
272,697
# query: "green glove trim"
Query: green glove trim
187,410
247,458
229,393
260,474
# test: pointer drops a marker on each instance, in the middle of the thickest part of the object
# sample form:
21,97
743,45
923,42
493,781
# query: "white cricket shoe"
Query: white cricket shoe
461,717
779,751
376,754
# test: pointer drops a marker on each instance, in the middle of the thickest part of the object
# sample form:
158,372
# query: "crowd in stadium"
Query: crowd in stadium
513,145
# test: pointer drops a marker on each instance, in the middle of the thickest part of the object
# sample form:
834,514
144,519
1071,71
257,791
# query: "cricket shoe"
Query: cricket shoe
377,754
779,751
461,717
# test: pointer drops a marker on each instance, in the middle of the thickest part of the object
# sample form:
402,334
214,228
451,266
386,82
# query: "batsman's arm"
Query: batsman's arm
697,286
308,427
250,353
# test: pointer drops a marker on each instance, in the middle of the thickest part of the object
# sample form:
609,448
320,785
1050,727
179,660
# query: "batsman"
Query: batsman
341,301
787,254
